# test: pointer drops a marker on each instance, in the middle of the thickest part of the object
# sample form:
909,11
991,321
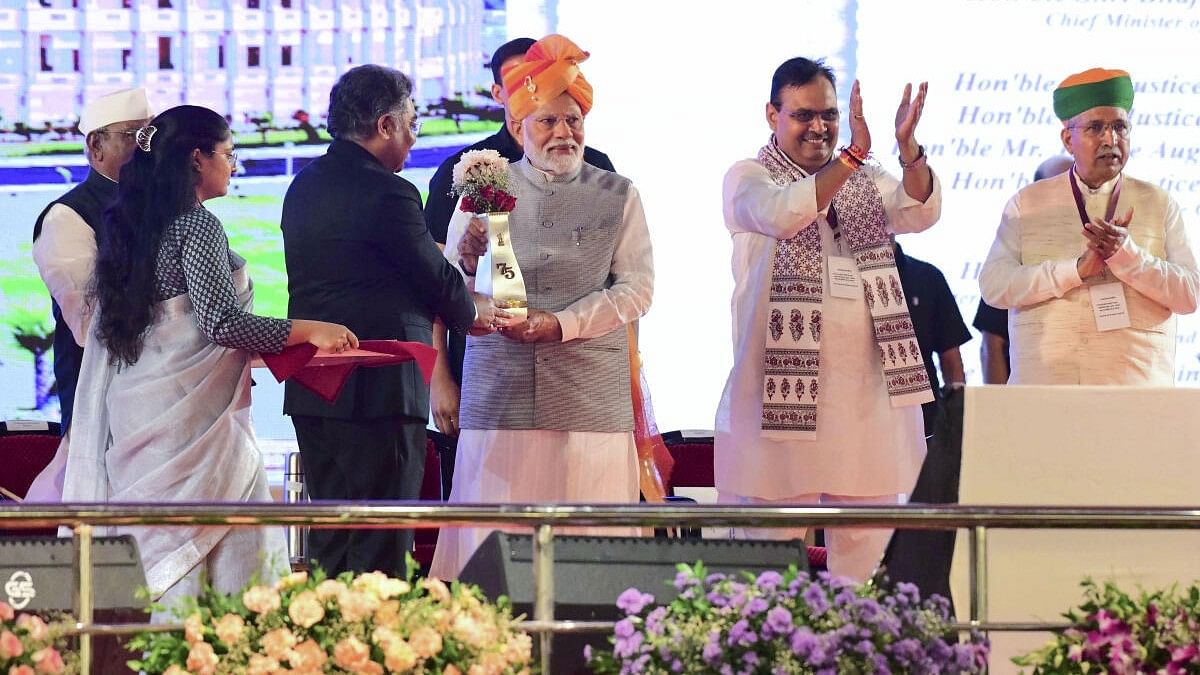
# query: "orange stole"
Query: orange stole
654,459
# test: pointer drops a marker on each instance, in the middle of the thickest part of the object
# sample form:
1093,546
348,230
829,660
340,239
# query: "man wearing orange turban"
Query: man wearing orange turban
444,388
545,409
550,68
1092,237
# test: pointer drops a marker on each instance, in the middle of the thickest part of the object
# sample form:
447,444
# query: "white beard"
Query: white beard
555,163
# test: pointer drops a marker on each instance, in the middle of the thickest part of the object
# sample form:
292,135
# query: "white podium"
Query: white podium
1075,446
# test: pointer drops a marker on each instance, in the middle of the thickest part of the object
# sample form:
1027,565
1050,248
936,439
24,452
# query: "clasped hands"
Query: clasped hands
538,326
1104,239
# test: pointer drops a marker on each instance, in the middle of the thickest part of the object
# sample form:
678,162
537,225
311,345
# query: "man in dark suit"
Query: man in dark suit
447,376
358,253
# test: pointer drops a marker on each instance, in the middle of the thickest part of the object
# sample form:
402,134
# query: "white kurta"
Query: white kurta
864,446
506,466
1031,270
65,254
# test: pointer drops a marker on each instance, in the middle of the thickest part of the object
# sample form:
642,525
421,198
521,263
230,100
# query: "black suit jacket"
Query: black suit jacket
358,253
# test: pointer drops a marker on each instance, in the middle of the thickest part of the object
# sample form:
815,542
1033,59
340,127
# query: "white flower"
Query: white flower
478,164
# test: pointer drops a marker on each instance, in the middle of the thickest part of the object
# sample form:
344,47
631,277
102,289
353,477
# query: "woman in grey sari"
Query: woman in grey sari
164,392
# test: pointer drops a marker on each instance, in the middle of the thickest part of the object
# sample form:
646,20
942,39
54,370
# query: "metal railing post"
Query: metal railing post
979,580
84,594
543,588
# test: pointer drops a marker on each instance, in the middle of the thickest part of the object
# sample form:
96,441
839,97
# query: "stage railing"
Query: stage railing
543,518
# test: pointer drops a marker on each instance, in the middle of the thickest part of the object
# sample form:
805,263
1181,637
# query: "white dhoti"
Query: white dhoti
531,467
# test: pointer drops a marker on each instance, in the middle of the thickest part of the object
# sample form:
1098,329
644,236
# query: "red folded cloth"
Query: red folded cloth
325,373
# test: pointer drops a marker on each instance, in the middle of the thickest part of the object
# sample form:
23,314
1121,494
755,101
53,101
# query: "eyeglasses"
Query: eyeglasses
1099,129
129,134
806,116
414,124
550,122
230,157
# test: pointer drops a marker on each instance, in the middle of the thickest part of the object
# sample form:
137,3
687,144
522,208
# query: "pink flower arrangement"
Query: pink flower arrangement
369,624
1114,632
30,646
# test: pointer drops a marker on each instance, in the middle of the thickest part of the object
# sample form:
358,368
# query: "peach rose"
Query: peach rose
10,645
467,629
20,670
6,611
307,656
262,665
278,643
384,636
368,582
231,628
37,629
518,649
437,588
441,619
48,661
399,657
261,599
451,670
193,629
388,614
175,670
493,662
330,588
291,581
202,660
356,605
425,641
305,609
351,653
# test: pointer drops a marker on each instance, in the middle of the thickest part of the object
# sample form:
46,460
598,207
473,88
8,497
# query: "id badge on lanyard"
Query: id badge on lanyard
1109,307
843,277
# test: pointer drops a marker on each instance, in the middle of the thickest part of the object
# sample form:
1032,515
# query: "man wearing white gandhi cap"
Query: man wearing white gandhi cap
64,238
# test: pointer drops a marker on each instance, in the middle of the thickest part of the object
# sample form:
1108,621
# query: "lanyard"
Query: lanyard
831,217
1109,212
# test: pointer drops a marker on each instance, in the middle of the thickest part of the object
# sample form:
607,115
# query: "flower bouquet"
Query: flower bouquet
30,646
309,624
484,187
785,623
1114,632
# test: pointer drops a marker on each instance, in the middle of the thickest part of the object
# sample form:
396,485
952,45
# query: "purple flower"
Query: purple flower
726,669
803,642
769,580
755,606
633,601
908,593
677,666
627,646
779,620
814,597
750,659
712,647
741,634
717,598
654,620
683,579
624,628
